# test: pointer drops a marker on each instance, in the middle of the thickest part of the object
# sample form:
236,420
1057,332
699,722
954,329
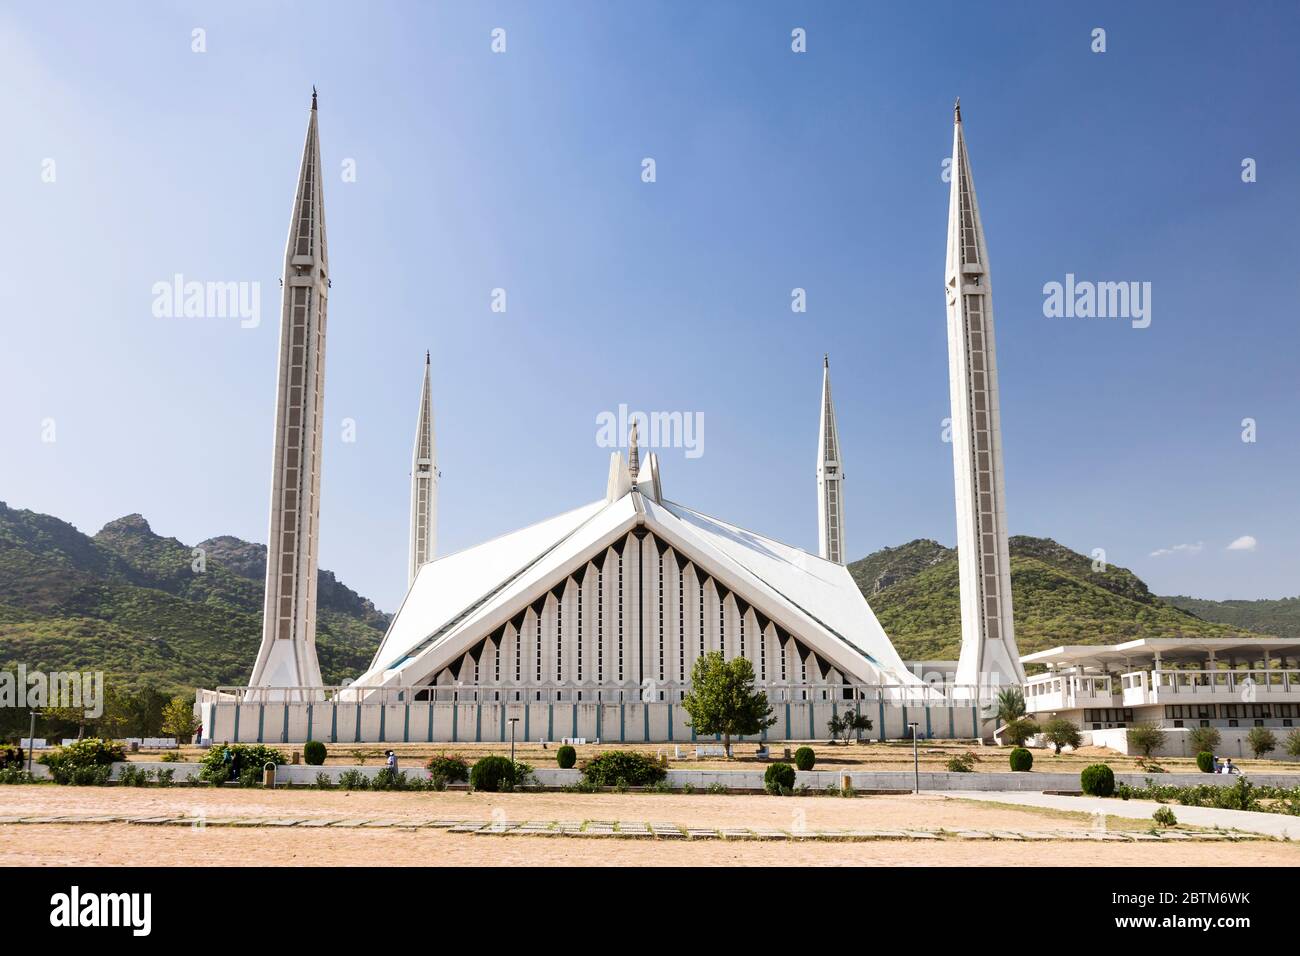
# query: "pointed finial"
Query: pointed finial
633,454
826,360
426,356
956,111
313,97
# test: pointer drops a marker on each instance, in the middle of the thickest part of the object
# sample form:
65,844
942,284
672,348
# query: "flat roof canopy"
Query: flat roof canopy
1171,650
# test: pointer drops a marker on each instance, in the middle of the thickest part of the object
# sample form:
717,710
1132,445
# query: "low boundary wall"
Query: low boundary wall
489,722
554,777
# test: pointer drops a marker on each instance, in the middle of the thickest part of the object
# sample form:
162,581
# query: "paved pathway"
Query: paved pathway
1278,825
630,830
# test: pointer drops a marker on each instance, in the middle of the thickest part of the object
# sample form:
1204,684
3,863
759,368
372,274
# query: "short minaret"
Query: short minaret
424,484
830,496
988,639
288,654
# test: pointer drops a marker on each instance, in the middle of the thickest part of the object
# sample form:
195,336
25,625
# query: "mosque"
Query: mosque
587,624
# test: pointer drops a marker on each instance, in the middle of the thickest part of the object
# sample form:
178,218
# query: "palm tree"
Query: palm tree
1011,705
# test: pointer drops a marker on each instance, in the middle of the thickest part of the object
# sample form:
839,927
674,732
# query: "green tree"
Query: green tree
178,718
1205,739
1062,733
1261,741
1146,738
1011,705
68,716
1019,730
846,724
722,699
1293,743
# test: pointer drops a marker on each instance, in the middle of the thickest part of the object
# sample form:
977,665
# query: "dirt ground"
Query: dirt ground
130,844
896,755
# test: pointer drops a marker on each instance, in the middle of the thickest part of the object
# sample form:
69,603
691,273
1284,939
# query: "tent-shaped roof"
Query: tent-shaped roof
459,599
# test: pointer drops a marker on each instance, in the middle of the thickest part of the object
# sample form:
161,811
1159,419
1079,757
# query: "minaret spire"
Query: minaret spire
288,654
830,496
988,640
424,483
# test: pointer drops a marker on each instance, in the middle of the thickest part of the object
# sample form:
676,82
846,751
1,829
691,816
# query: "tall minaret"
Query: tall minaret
424,484
288,654
830,496
988,639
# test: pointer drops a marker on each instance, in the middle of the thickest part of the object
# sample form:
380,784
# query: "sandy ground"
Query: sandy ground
126,844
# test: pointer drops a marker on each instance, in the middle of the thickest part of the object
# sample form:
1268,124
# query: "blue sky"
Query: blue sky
522,170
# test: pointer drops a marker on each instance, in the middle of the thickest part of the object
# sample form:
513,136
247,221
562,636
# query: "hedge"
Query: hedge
1205,760
623,766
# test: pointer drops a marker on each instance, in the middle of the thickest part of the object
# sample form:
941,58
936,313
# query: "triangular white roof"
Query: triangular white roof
457,600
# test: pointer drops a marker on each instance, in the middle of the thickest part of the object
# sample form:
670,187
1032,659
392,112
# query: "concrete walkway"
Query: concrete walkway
1269,824
616,829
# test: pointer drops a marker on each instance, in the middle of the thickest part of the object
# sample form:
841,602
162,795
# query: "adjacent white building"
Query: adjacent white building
1232,684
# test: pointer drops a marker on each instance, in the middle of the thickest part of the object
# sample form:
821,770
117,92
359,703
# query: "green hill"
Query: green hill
1276,618
1058,599
130,602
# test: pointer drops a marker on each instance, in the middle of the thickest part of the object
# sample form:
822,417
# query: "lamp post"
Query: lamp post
31,738
916,760
513,721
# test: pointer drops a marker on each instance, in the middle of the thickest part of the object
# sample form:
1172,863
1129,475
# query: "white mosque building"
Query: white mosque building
587,624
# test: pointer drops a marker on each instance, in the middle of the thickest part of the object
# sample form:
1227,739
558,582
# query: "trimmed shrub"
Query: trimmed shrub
84,763
313,752
497,774
1021,759
566,757
1097,780
243,759
778,779
1205,761
804,758
448,769
630,768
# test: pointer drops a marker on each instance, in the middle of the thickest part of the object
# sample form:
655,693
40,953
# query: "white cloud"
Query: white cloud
1196,548
1246,542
